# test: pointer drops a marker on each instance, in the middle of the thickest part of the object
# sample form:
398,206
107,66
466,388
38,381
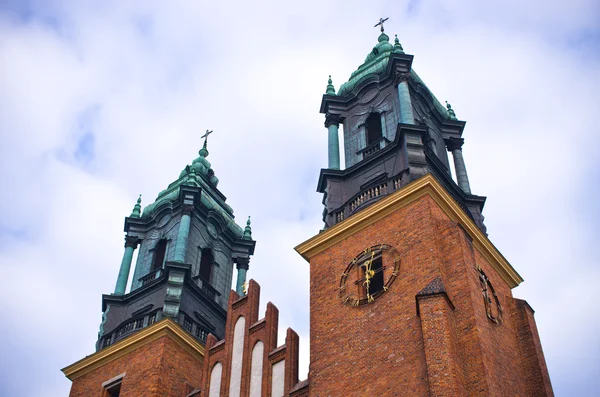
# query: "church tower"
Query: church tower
395,131
152,339
188,243
408,296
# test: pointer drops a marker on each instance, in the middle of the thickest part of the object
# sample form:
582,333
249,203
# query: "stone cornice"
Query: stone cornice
426,185
165,327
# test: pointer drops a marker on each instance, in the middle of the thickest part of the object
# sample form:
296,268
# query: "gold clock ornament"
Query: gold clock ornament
493,309
369,275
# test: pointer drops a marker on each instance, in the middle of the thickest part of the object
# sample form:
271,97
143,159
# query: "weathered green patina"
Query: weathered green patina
397,46
376,63
247,231
451,114
330,88
124,270
182,238
137,208
241,280
200,174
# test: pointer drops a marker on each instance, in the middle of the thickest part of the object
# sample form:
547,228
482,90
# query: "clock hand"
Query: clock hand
368,276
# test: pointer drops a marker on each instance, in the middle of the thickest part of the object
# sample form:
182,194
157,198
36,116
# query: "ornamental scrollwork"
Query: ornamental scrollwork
332,119
400,77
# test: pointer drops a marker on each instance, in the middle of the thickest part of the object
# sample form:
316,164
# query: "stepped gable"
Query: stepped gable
248,361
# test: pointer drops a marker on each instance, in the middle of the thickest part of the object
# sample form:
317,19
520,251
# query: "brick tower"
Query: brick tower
408,296
188,243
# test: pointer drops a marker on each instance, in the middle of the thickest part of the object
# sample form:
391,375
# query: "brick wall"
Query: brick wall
429,334
160,368
264,330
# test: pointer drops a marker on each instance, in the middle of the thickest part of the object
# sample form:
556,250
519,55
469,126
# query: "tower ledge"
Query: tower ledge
165,327
426,185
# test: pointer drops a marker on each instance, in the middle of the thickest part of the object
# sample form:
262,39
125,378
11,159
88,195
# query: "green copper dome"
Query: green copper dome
200,174
375,63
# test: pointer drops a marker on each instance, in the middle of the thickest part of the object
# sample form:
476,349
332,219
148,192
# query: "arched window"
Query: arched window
214,389
374,130
159,254
206,264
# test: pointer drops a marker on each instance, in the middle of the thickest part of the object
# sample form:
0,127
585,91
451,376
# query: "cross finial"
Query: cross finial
207,134
204,151
381,21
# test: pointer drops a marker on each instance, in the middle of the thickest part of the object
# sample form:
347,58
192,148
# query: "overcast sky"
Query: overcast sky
103,100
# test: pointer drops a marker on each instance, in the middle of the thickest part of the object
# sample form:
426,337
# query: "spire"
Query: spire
137,208
398,46
247,231
451,114
204,151
330,87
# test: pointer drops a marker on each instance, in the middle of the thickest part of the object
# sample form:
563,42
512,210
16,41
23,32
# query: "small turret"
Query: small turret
247,231
397,46
137,208
451,114
330,87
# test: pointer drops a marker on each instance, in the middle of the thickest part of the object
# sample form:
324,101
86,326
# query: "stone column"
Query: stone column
242,267
332,123
183,234
454,145
131,243
406,113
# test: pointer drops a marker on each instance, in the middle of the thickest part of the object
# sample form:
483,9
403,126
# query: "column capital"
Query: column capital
454,143
131,242
332,119
400,77
188,210
242,263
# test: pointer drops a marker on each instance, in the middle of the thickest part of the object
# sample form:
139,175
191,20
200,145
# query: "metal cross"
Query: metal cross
381,21
207,134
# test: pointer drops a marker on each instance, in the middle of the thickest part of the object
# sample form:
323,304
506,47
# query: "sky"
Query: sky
103,101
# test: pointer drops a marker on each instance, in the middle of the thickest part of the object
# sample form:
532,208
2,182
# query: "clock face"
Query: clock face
493,309
369,275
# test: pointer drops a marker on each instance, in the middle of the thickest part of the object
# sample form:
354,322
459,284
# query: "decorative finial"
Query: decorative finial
451,113
381,21
192,179
398,46
137,208
204,151
247,231
245,288
330,87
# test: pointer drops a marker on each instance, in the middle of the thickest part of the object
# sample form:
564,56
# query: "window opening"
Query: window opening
114,390
159,254
206,264
374,131
112,387
188,323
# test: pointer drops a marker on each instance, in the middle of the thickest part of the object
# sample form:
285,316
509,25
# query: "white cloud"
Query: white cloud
157,75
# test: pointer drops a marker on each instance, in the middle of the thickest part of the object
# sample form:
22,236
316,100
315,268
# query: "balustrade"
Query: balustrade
369,194
134,324
153,275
